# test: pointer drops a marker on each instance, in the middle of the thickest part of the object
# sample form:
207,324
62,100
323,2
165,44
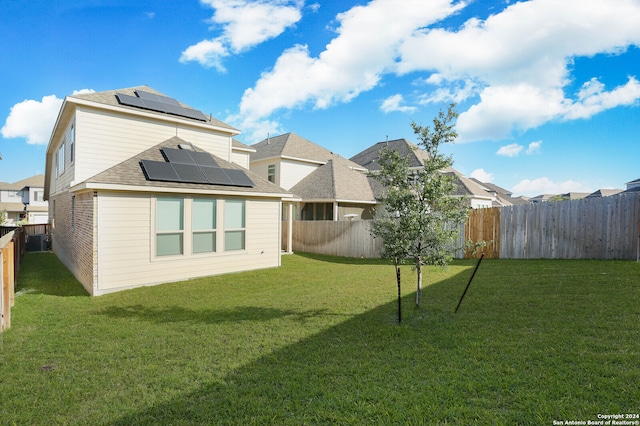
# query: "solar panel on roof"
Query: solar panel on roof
189,173
203,159
216,176
159,103
159,170
239,177
129,100
155,97
177,156
187,166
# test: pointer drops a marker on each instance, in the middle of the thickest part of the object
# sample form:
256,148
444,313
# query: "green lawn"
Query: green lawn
315,342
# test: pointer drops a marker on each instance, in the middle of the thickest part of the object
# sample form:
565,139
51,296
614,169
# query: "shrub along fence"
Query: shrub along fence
591,228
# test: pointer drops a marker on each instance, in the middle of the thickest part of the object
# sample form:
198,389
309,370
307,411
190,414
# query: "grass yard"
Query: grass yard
315,342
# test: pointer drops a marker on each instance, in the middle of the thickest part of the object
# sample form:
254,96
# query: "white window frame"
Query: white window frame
191,228
60,159
200,230
234,227
164,231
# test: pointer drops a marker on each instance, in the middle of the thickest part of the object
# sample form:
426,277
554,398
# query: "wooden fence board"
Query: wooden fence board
594,228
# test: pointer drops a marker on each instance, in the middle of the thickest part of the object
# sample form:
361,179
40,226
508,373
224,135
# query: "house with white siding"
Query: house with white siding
326,185
144,190
23,201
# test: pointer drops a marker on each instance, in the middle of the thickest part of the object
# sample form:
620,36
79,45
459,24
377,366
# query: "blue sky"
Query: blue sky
548,92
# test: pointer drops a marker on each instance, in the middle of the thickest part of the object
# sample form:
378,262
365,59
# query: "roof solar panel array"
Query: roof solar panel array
159,103
186,166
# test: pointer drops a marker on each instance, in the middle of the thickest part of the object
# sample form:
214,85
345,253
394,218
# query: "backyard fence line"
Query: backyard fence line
13,241
7,278
591,228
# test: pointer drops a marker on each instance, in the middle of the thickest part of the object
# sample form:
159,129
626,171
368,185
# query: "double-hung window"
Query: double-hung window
60,159
204,225
271,173
234,225
169,226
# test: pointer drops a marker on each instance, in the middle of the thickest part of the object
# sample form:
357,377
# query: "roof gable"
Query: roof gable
370,157
291,145
336,180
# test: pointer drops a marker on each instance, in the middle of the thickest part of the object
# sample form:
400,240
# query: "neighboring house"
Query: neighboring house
503,197
477,196
542,198
328,186
145,190
24,201
604,193
633,186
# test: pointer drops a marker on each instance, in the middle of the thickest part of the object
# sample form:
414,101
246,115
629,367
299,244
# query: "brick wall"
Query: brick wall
73,234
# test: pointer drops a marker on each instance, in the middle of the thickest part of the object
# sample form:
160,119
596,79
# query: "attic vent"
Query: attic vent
186,146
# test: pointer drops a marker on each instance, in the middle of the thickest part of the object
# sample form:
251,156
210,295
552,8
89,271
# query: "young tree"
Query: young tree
388,223
427,210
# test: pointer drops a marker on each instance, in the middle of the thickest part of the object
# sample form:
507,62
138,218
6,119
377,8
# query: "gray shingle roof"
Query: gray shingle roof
335,180
130,173
109,98
370,157
36,181
293,145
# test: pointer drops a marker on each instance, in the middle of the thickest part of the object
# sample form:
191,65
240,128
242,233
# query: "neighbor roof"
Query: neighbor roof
335,180
291,145
130,173
370,157
36,181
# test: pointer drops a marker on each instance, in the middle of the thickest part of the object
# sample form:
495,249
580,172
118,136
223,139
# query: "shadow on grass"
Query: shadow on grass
179,314
367,370
527,363
345,260
43,273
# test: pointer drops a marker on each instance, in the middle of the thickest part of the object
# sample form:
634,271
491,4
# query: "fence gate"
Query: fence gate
483,225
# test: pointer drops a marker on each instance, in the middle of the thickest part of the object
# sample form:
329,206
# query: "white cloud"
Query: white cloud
543,185
482,175
392,103
534,147
353,62
34,120
514,66
593,99
521,58
245,24
512,150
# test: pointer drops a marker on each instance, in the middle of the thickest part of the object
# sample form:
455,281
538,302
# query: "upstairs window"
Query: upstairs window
72,142
60,160
271,173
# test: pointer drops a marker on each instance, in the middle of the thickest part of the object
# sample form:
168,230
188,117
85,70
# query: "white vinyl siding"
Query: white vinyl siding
125,250
240,158
292,172
108,138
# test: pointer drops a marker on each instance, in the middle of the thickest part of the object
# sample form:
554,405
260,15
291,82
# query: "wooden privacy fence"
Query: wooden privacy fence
591,228
12,247
8,245
340,238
